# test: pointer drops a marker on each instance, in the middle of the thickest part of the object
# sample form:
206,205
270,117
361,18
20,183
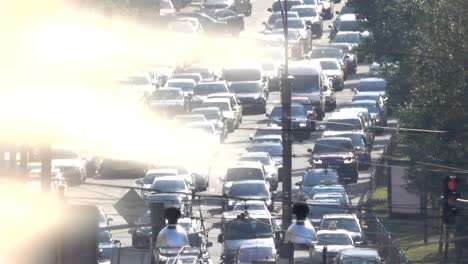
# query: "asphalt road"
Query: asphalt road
230,151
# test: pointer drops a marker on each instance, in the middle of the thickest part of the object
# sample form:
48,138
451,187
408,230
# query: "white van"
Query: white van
309,82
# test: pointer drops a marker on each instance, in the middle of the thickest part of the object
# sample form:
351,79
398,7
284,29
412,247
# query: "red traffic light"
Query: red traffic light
452,185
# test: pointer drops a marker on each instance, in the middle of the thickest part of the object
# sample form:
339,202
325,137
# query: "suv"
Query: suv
379,116
314,177
348,121
248,190
244,171
336,153
271,167
215,116
301,125
348,222
362,147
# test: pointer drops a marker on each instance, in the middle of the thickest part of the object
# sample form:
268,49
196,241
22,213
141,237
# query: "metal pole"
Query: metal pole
286,138
46,167
446,246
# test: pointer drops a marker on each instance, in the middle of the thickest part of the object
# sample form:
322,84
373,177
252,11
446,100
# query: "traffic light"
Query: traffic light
450,210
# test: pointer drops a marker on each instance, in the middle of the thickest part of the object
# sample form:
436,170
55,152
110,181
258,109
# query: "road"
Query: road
235,144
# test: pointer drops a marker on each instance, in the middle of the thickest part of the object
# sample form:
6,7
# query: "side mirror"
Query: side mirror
309,150
220,238
251,138
139,182
110,219
299,183
264,23
330,26
278,235
364,227
267,115
209,244
269,9
116,242
337,12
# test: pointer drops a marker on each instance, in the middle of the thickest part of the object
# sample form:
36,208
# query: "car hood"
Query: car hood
234,245
313,19
293,119
332,155
248,95
332,72
228,114
248,197
314,96
332,248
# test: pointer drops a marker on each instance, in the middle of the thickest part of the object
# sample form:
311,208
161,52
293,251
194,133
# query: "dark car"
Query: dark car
354,38
335,53
314,177
216,26
378,114
362,148
106,244
251,95
202,90
250,189
240,7
348,22
358,255
168,101
336,153
372,85
302,126
275,16
120,168
234,20
141,235
215,116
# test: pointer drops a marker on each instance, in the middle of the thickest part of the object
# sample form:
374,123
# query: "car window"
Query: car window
346,224
334,239
253,189
224,106
330,146
344,124
313,178
242,174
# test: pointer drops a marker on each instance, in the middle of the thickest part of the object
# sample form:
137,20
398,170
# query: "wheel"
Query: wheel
249,10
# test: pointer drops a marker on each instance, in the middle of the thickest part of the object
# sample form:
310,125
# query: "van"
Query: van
309,82
245,72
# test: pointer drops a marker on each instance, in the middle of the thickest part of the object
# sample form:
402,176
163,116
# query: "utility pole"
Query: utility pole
286,137
45,155
157,224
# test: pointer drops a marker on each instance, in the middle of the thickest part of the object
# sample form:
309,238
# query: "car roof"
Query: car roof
165,170
187,74
255,154
325,59
378,94
266,144
246,82
217,100
343,115
337,231
329,134
354,109
330,201
319,170
303,7
256,244
359,251
210,108
268,137
221,95
248,182
169,178
247,164
169,89
329,186
348,17
364,102
180,80
331,195
341,216
348,33
372,79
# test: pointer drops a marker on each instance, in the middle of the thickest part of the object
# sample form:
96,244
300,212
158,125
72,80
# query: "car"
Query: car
68,164
274,149
171,190
231,114
189,118
207,129
141,83
312,17
369,123
205,71
152,174
316,4
357,255
296,24
334,241
354,38
350,57
328,188
141,235
301,125
346,22
249,190
314,177
332,68
270,69
186,85
378,114
348,222
271,167
370,96
197,77
255,229
318,208
183,26
252,252
121,167
104,219
244,171
372,85
233,20
171,200
217,25
245,72
362,147
268,138
240,7
278,5
106,244
321,52
341,197
328,8
235,103
336,153
348,121
251,95
275,16
215,116
168,101
202,90
298,44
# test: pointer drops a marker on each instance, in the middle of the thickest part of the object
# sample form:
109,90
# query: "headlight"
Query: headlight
349,160
268,202
377,119
231,202
317,161
220,124
302,124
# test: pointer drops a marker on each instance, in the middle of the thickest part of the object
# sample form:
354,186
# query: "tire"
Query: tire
249,10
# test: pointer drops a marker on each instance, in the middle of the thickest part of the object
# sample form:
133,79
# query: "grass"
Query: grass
409,231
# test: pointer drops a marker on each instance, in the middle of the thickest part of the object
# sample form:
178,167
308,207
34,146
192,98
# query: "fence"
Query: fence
378,234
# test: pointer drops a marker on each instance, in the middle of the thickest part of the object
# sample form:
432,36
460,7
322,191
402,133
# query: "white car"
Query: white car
334,240
230,113
186,85
271,167
141,82
331,67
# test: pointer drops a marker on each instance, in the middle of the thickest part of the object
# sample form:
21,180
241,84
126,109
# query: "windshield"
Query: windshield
346,224
327,190
365,97
238,75
329,65
243,174
372,108
104,237
292,23
264,160
161,95
347,38
305,83
247,229
352,25
194,77
205,73
168,186
357,140
149,179
306,12
344,124
372,86
317,211
326,53
206,89
224,106
250,189
185,86
331,146
274,17
296,111
166,4
267,131
256,207
310,2
273,150
334,239
64,154
245,88
209,114
250,255
314,179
